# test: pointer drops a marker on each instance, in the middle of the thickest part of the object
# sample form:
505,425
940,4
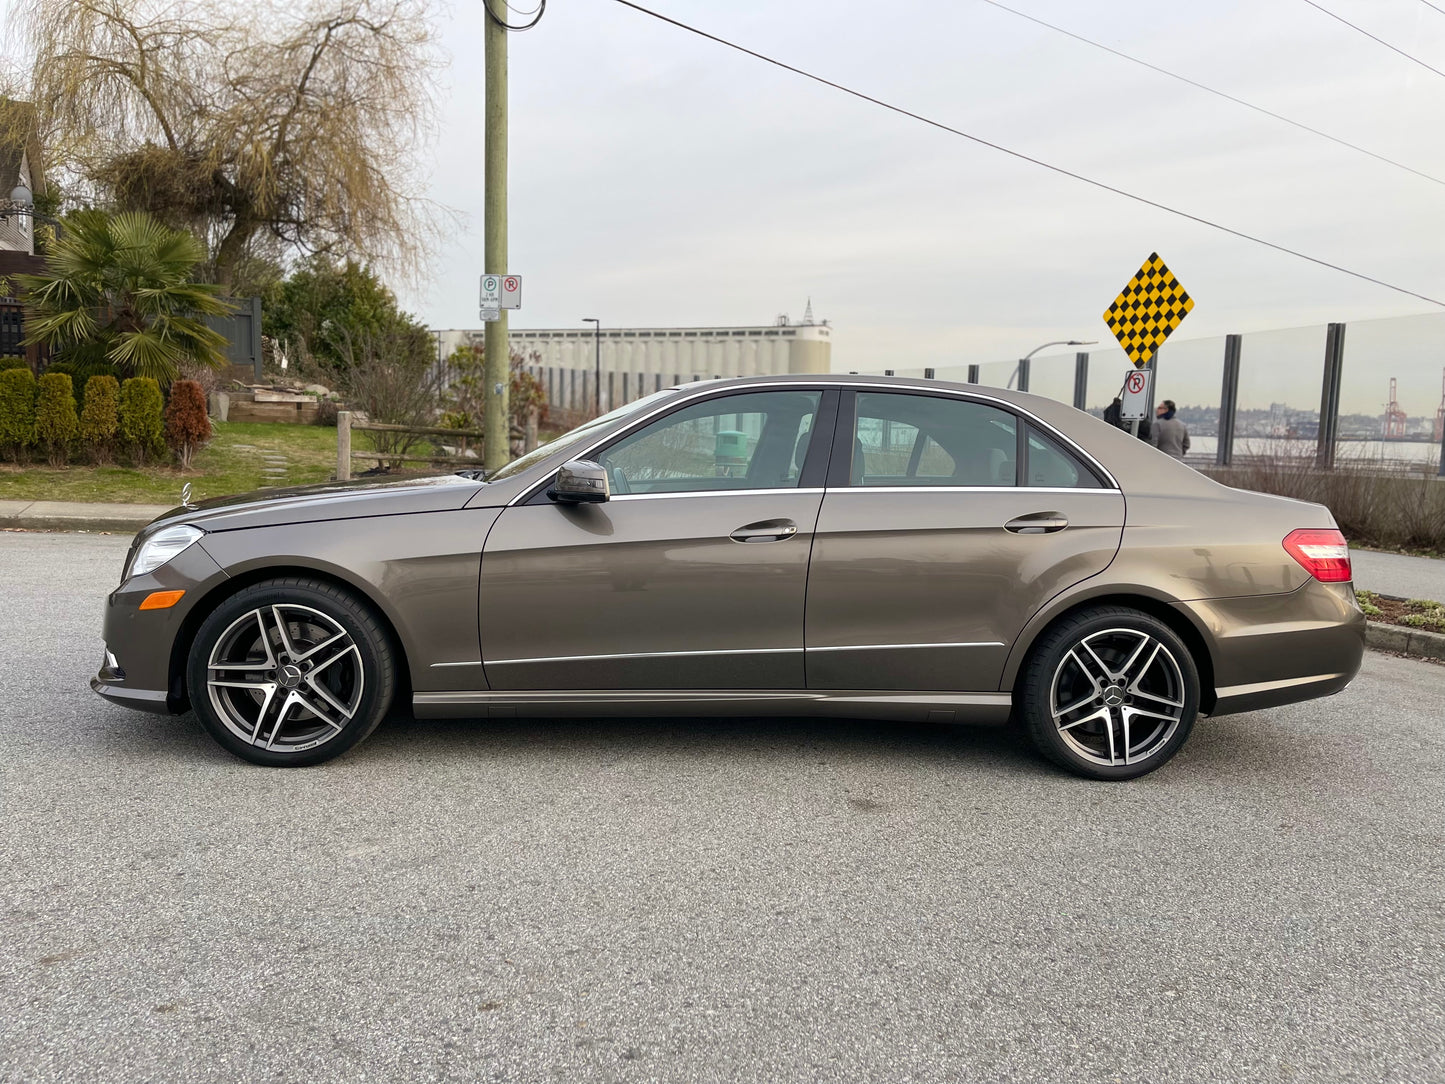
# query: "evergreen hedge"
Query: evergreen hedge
17,413
55,420
98,418
142,429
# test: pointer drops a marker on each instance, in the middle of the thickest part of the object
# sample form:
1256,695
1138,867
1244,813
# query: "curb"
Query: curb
76,516
1405,641
46,523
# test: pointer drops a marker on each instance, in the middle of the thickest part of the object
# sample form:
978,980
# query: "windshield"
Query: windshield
580,434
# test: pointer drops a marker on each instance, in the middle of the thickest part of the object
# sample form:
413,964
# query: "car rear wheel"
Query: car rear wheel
291,672
1109,693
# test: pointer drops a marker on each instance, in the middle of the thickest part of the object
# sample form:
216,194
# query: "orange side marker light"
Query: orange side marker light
161,600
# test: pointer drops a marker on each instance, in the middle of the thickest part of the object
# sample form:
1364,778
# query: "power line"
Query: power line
1372,37
1212,90
1024,157
1432,7
541,10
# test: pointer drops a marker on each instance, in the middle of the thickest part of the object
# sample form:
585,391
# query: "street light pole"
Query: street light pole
1021,371
596,361
497,361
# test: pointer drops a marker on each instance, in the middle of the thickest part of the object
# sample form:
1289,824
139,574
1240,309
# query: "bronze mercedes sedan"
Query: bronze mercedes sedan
832,545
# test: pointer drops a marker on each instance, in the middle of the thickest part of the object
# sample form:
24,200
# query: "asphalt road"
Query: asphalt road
1397,574
717,900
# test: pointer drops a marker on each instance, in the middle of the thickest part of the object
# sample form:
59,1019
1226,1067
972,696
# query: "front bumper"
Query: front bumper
1270,650
142,667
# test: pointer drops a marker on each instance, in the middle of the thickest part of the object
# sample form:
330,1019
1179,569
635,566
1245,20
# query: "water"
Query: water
1346,451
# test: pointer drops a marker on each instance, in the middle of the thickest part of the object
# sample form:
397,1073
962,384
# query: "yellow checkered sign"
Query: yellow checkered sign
1152,305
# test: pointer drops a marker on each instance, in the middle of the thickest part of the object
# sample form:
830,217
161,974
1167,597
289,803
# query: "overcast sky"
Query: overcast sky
660,179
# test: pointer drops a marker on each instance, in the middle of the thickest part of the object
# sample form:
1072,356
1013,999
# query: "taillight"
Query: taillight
1325,555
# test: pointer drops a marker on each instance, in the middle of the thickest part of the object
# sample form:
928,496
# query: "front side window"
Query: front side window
749,441
580,434
927,440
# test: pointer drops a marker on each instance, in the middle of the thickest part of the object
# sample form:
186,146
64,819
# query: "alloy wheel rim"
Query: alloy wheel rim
1117,697
285,678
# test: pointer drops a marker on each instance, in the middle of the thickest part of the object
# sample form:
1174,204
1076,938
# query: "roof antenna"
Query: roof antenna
808,313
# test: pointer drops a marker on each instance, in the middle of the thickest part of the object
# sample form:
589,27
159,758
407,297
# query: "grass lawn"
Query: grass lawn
231,463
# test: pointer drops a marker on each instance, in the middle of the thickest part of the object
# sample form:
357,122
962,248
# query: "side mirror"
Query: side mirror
580,481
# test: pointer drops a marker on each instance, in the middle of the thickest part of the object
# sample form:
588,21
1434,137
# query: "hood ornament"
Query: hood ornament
186,496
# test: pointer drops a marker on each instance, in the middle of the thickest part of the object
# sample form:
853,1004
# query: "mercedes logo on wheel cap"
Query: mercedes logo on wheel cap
289,676
1113,696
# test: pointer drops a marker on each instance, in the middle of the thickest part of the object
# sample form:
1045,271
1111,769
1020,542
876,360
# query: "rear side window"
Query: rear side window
1049,465
927,440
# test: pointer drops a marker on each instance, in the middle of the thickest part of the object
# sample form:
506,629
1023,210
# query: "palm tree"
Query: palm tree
118,289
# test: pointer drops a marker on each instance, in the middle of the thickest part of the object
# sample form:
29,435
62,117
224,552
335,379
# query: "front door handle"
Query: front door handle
769,530
1037,523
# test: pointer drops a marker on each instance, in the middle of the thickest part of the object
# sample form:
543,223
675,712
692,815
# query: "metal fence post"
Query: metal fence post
973,374
927,374
1023,371
1081,381
1228,403
343,445
1330,397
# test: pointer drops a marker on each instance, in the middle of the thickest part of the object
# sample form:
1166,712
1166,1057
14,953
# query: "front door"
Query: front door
693,574
948,522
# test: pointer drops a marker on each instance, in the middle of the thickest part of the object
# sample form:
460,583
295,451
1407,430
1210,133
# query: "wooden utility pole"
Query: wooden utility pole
497,366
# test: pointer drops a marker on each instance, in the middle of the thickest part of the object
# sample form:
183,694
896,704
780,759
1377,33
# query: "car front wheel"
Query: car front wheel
1109,693
291,672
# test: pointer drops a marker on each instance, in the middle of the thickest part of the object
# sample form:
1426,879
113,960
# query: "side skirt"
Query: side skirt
931,707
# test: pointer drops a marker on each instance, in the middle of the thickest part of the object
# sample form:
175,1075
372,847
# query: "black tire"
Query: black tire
325,681
1151,696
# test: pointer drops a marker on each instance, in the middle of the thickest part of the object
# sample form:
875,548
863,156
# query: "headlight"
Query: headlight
161,547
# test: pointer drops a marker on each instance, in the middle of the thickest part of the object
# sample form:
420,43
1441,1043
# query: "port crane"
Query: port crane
1395,418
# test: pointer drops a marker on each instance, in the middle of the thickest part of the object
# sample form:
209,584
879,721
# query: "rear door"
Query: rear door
947,522
693,574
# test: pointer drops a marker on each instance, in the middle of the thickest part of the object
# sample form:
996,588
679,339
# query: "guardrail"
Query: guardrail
344,453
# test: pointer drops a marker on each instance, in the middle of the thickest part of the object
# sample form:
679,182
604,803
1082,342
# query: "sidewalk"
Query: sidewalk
1397,574
78,516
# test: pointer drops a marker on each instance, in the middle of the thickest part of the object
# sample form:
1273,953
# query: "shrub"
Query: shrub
141,427
98,421
55,420
187,426
17,413
13,363
80,373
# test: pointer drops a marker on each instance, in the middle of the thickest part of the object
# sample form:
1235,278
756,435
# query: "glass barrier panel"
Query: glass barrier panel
1280,374
997,374
1404,355
1053,377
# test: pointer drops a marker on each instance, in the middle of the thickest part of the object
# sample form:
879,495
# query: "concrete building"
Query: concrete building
638,361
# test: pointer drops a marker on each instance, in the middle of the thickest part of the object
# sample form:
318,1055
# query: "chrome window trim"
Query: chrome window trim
966,489
898,647
702,388
710,493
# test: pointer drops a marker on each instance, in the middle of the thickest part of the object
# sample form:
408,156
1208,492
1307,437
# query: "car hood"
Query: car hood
334,500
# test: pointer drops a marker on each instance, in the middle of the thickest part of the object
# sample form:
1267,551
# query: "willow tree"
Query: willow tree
262,127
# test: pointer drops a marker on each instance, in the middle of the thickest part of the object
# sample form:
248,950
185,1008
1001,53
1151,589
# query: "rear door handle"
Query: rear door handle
1037,523
769,530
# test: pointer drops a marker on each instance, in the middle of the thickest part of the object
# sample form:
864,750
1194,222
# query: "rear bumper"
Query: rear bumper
1269,650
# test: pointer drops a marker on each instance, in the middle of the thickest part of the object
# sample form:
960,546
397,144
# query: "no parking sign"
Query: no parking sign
1135,404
